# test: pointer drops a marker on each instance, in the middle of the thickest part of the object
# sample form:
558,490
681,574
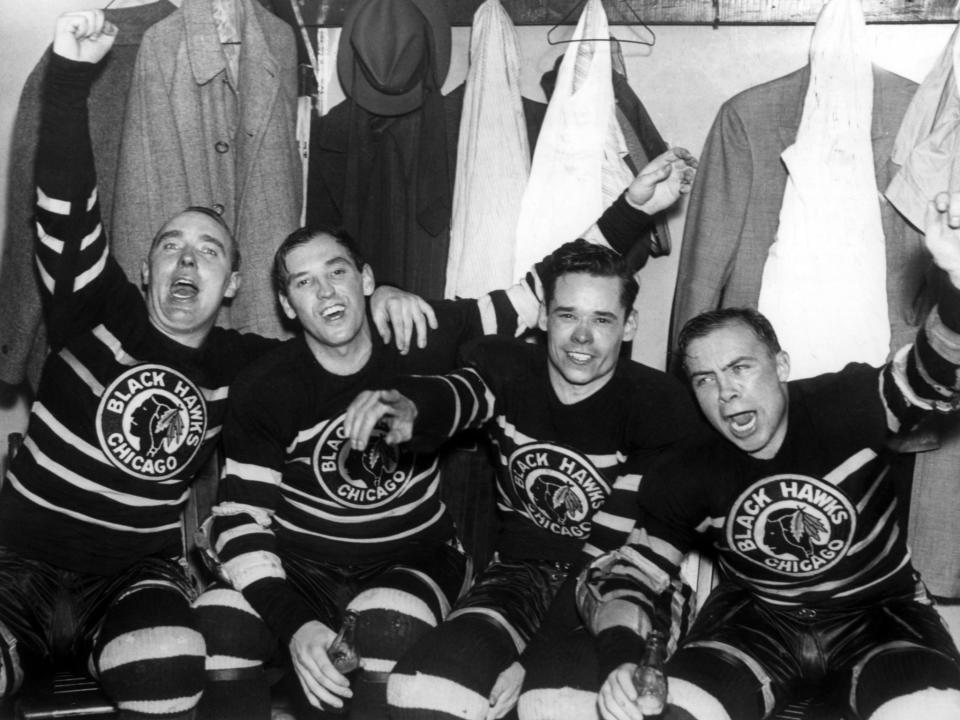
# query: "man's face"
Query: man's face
327,293
187,276
585,325
741,387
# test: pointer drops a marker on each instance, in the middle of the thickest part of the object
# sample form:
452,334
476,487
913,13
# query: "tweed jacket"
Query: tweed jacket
23,339
196,135
736,199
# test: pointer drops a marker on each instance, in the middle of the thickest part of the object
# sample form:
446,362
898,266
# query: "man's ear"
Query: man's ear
783,366
233,285
630,326
287,307
144,273
542,317
367,281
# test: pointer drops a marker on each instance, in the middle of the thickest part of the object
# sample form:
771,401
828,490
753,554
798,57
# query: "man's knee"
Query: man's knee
149,655
930,704
451,671
898,678
390,621
11,669
236,636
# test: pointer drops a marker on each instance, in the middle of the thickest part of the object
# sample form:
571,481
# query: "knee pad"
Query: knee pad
149,655
11,669
930,704
450,672
557,704
893,674
390,621
236,636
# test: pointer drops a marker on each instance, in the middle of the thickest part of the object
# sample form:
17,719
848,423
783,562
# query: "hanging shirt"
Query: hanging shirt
493,160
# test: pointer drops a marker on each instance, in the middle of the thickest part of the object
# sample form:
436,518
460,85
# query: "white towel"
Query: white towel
824,282
493,160
578,168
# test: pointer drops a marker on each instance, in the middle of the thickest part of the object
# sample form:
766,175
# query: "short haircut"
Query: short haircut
302,236
580,256
705,323
234,248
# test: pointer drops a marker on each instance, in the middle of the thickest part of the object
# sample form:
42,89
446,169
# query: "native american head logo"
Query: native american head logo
375,464
156,422
556,498
793,531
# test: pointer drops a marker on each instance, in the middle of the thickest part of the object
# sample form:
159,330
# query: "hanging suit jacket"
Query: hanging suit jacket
23,343
195,135
735,203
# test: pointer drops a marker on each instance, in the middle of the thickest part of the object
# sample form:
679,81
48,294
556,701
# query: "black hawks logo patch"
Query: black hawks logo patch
357,479
559,488
151,421
792,524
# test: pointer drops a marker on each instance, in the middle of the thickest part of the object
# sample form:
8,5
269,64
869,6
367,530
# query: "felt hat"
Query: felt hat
392,51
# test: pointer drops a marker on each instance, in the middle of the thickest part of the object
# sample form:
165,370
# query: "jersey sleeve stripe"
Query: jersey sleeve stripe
252,473
87,276
80,370
53,205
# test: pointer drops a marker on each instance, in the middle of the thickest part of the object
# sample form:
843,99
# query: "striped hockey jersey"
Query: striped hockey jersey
816,525
567,475
124,416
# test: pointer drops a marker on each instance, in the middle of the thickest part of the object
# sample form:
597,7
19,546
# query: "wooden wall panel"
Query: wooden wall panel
329,13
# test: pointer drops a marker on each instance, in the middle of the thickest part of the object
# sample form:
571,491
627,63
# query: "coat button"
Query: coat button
221,146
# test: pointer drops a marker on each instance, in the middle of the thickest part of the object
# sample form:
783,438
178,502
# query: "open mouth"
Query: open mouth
333,312
578,358
184,289
742,424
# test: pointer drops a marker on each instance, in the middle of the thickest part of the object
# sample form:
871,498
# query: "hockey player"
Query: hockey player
573,429
794,496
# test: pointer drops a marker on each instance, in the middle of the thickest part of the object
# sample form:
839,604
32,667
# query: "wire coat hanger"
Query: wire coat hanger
579,5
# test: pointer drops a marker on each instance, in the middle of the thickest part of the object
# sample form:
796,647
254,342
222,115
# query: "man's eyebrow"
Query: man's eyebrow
172,232
215,240
738,360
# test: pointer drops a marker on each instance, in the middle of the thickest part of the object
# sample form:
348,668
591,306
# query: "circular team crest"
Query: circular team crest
792,524
559,488
365,479
151,421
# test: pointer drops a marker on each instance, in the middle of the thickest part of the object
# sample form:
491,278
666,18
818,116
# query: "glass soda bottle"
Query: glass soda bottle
649,678
344,654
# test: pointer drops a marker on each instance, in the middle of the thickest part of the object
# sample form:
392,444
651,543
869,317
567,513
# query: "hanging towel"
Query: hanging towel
493,159
928,143
824,281
578,167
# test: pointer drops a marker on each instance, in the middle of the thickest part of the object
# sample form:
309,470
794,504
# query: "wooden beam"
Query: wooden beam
329,13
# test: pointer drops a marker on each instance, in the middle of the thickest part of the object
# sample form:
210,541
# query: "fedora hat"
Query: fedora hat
388,49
